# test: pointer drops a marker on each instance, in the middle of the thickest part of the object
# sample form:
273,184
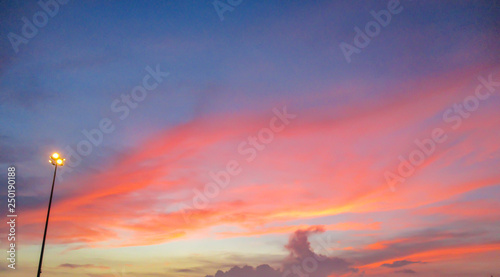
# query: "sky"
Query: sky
239,138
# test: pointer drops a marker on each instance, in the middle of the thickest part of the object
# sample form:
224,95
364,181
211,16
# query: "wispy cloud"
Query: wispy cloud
75,266
407,271
399,263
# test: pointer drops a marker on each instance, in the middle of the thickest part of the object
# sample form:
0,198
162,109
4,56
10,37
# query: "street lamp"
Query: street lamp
56,160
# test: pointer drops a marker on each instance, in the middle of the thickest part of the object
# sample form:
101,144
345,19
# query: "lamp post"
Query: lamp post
56,160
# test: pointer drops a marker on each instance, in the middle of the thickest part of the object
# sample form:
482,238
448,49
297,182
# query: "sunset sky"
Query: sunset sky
240,138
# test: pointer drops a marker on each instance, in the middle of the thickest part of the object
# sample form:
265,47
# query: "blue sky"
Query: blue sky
226,78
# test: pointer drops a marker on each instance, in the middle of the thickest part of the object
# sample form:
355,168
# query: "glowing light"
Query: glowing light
56,159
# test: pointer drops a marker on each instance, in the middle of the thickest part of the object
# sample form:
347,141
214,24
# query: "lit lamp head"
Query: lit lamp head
56,159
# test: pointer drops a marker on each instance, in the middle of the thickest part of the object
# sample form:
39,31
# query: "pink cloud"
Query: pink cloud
325,163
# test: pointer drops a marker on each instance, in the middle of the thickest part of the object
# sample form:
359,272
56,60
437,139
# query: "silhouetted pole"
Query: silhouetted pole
55,160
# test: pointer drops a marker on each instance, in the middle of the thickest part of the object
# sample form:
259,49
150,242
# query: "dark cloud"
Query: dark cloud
188,270
425,240
72,266
301,260
407,271
399,263
248,271
29,92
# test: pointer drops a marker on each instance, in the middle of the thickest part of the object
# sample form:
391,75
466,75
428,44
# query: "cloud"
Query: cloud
248,271
408,271
399,263
73,266
139,193
29,91
342,226
301,260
